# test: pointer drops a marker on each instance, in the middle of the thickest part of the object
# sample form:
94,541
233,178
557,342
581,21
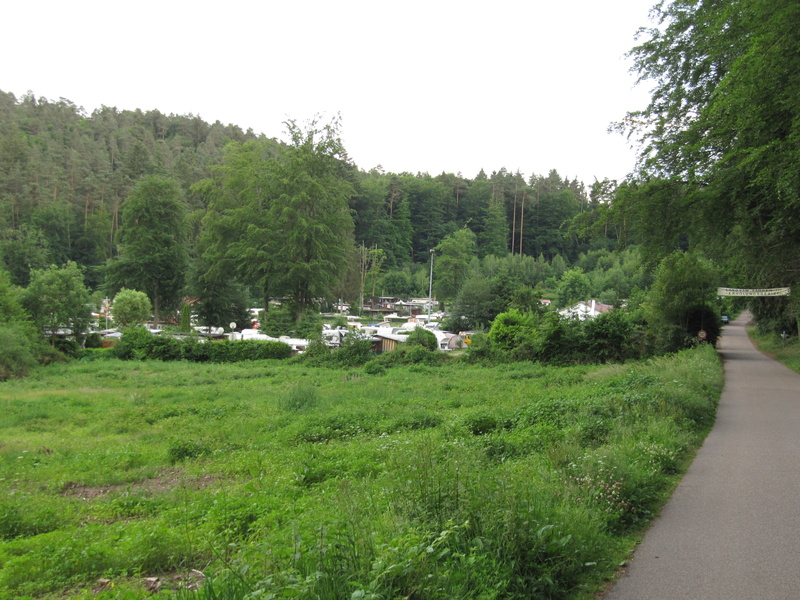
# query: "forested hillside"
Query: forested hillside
66,175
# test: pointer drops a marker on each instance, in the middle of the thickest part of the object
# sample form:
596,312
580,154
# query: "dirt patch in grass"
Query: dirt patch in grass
167,480
186,580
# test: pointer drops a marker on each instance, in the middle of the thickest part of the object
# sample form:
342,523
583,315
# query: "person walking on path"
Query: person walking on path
731,529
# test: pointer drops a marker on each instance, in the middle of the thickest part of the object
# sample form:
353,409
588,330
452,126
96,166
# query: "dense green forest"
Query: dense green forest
65,176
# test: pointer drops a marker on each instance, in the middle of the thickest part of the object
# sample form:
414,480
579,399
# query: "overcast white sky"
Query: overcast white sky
422,86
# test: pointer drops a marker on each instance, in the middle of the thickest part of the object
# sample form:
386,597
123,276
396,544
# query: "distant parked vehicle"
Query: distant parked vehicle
725,319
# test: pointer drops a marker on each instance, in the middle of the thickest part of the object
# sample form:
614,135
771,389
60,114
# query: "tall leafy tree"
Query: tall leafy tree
237,238
723,128
451,265
573,287
494,237
153,252
23,249
57,298
309,196
20,342
282,221
681,301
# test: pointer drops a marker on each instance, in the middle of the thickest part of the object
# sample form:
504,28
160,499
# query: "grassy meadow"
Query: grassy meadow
274,479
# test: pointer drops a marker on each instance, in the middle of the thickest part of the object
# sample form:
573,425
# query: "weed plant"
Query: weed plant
281,479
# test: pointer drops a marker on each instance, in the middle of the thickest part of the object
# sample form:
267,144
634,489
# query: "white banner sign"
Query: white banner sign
752,293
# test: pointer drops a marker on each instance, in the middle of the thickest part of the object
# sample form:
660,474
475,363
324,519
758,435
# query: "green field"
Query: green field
275,479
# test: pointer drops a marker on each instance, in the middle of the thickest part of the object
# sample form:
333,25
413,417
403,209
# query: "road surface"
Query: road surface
732,528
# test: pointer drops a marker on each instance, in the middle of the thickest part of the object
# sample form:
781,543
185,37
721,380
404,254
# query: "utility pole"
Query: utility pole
430,290
521,223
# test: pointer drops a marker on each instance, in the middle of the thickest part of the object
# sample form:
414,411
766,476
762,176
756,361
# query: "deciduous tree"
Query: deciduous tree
153,254
451,266
57,298
722,129
131,307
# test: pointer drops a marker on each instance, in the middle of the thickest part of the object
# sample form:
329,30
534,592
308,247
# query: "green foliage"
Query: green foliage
21,346
372,367
133,344
10,308
409,354
287,214
549,338
93,340
57,298
20,350
610,337
284,321
131,308
153,253
138,343
299,398
186,318
451,264
70,348
573,287
510,328
422,337
356,350
397,283
719,137
22,250
235,351
163,347
477,304
680,301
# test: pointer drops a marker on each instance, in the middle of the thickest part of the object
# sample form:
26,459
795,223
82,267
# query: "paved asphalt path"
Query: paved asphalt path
732,528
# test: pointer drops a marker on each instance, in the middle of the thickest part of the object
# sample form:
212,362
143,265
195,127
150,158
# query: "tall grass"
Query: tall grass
283,480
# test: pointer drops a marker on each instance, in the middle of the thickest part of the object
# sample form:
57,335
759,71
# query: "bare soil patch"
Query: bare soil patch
167,480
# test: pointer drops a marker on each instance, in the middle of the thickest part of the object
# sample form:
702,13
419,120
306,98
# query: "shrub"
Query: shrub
93,340
482,351
19,518
355,350
411,355
372,367
133,344
138,343
609,337
19,354
181,450
194,350
68,347
422,337
510,328
163,347
224,352
556,338
317,348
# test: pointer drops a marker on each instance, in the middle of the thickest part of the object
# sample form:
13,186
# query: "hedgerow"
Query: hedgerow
139,344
